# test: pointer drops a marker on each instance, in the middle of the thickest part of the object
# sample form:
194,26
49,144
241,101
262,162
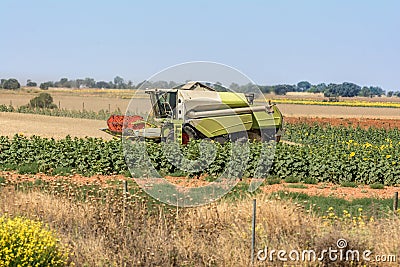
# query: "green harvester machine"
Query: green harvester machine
197,111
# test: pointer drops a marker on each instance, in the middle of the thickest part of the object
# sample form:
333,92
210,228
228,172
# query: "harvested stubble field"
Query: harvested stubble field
77,99
47,126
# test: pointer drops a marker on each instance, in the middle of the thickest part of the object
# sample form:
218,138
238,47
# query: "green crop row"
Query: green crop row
340,154
326,154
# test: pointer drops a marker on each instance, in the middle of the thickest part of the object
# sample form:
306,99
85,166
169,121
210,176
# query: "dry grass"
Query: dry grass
108,232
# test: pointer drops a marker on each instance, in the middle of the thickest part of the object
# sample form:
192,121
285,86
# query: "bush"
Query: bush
300,186
44,100
28,168
310,180
273,180
24,242
348,184
377,186
29,83
46,85
292,180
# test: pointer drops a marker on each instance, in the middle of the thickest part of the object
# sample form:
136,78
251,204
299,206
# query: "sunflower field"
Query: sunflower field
324,153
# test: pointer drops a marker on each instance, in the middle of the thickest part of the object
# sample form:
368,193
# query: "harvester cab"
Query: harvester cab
163,102
197,111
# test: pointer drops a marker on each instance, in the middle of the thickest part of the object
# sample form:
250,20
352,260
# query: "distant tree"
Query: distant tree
11,84
79,83
248,88
119,82
2,81
160,84
319,88
44,100
265,89
143,85
390,94
129,84
172,84
29,83
90,83
332,90
64,82
371,91
345,89
234,86
365,92
303,85
282,89
376,90
102,84
46,85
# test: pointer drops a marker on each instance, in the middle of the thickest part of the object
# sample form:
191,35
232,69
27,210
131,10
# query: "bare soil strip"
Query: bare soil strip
353,122
321,189
291,110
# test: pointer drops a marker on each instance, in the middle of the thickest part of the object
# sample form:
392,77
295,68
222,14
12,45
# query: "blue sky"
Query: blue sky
270,41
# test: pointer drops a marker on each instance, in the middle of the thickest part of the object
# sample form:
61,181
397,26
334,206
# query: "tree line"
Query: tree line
345,89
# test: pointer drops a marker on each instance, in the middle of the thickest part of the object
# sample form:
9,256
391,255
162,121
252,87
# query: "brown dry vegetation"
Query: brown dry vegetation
112,233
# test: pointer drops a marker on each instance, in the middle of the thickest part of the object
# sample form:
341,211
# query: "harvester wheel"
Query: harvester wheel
240,137
254,136
268,134
192,134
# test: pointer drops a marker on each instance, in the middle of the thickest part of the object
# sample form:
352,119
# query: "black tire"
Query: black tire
268,134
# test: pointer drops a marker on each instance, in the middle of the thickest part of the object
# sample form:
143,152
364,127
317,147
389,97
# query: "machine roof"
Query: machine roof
196,86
